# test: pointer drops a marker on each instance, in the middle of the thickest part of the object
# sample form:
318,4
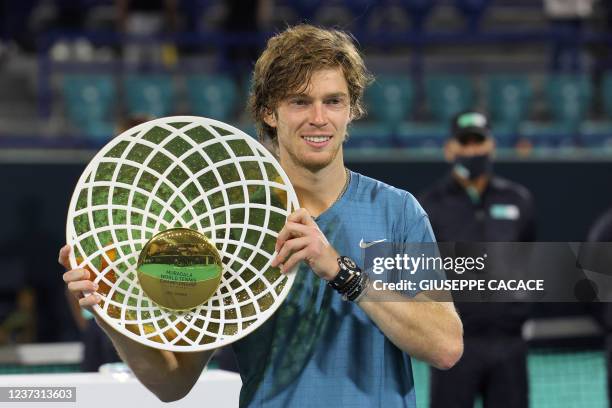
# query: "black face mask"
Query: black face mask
472,167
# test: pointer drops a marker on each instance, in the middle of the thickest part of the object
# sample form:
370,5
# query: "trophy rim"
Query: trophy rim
261,318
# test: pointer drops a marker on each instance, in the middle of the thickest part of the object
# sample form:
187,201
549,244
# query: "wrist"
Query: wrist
335,268
350,282
346,269
332,268
364,291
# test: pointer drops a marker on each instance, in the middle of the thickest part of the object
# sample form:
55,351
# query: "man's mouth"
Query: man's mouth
317,141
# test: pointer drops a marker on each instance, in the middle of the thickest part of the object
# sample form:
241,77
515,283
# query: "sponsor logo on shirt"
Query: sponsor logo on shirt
365,245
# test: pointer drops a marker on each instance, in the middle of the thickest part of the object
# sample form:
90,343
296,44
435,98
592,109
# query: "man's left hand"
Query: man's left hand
302,240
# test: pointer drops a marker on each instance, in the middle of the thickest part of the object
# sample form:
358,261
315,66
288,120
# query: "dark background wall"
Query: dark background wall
568,195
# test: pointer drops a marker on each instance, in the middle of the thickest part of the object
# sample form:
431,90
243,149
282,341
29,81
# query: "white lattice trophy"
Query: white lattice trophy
177,220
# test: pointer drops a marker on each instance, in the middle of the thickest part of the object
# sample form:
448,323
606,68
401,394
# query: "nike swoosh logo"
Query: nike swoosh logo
365,245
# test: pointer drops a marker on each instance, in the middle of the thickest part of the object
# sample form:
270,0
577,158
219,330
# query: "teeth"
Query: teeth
317,139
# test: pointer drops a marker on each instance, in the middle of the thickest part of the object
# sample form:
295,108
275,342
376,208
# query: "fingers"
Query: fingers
293,260
90,300
64,254
291,230
78,281
302,216
293,245
74,275
298,224
82,286
301,239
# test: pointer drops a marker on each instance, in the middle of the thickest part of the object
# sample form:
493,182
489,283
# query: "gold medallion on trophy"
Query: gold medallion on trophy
179,269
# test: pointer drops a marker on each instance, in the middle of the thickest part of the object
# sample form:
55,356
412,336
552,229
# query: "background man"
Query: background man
307,87
471,204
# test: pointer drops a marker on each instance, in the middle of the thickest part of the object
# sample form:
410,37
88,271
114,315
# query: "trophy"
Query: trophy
177,219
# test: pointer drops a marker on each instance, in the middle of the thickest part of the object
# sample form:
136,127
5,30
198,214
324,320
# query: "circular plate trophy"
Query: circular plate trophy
177,219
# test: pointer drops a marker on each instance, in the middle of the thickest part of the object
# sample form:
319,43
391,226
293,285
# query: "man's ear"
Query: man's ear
270,118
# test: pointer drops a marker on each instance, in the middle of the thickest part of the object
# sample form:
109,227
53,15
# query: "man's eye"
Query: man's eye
334,101
299,101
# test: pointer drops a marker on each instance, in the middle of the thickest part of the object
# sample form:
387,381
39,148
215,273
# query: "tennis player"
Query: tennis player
335,340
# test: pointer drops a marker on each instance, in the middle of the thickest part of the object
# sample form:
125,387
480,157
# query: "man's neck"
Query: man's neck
318,190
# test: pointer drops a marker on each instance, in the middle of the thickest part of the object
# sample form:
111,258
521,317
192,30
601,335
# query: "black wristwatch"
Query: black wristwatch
350,282
348,272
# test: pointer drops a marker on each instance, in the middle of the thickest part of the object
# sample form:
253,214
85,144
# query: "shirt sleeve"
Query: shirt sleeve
416,225
417,241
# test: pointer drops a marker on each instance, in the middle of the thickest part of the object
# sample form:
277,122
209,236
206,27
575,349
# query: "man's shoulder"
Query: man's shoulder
377,191
512,188
439,190
399,205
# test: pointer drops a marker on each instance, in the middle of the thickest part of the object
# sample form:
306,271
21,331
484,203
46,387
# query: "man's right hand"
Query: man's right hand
168,375
77,281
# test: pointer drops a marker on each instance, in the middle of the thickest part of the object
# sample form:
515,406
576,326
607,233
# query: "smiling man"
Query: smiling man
335,341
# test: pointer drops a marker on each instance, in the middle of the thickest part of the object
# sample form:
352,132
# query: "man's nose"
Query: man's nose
318,116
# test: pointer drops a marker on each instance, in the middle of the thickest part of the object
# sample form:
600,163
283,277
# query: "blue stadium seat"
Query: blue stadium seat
369,135
548,135
508,101
568,98
212,96
448,95
390,99
89,101
422,135
151,95
598,134
505,136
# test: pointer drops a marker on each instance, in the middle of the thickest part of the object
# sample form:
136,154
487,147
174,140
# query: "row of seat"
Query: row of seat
91,101
508,99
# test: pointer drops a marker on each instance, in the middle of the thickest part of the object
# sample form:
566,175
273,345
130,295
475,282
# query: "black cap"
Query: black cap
470,125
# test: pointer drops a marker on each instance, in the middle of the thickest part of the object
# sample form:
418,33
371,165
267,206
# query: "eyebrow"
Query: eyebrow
336,95
331,95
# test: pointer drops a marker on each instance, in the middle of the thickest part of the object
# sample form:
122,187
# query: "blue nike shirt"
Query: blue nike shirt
318,349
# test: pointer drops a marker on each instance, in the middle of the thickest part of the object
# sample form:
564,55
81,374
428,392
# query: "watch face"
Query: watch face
349,262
